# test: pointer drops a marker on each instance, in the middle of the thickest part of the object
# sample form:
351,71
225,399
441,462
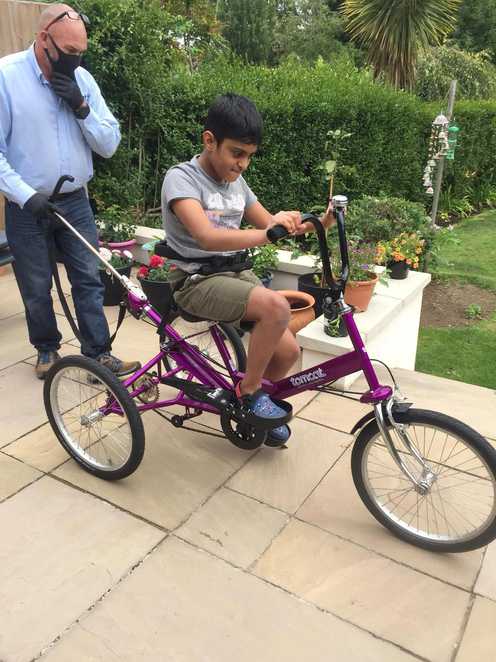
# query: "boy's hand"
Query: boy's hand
291,220
328,218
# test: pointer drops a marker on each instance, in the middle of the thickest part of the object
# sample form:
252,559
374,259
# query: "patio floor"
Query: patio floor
208,553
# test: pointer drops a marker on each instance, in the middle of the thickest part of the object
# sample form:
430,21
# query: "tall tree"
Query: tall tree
248,26
394,32
476,29
309,29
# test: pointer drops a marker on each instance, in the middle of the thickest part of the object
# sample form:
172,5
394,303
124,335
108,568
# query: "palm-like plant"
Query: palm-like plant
394,31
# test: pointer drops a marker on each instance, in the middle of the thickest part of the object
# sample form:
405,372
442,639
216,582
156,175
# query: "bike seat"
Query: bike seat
245,326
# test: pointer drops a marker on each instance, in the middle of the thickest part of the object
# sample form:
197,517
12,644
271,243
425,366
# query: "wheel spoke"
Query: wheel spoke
459,500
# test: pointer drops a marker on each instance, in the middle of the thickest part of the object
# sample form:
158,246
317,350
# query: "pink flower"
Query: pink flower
143,272
156,261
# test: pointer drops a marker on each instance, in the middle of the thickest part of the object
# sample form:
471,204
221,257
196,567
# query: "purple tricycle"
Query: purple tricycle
427,477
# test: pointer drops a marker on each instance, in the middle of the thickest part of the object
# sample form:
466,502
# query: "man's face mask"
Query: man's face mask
66,64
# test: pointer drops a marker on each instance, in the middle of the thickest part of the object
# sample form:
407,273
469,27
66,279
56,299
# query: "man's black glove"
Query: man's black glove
39,205
68,90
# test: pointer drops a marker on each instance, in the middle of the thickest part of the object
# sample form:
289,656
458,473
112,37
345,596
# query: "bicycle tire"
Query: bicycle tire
95,384
232,341
370,452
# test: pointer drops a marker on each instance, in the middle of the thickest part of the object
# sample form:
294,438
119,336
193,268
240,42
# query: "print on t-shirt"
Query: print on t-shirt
225,211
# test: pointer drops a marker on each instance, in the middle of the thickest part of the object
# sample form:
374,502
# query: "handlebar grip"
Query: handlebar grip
276,232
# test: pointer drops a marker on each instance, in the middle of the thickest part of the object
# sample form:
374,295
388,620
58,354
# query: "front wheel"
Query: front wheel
458,511
94,417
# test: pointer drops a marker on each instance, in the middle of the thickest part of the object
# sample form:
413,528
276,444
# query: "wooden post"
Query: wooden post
440,168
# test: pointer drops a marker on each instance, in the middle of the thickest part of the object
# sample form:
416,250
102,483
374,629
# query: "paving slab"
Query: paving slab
10,297
179,471
284,478
15,344
368,590
15,475
40,449
486,582
63,551
334,411
21,402
66,349
474,405
479,640
111,312
336,507
233,527
184,605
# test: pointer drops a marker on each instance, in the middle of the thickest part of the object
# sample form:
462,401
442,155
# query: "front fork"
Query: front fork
422,483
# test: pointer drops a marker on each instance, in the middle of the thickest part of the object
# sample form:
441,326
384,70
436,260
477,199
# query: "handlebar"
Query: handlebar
277,232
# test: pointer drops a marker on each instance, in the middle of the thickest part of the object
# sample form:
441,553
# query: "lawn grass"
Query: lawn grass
473,258
466,354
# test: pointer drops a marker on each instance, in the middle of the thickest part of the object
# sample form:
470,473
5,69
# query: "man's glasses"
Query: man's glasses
72,16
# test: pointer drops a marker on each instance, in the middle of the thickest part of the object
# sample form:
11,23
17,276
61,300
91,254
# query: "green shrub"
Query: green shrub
136,56
382,219
436,68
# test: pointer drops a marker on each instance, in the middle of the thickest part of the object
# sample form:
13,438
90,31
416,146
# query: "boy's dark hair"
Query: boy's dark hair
236,117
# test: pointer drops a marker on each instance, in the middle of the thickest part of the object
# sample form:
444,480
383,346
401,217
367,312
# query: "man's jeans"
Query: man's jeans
34,274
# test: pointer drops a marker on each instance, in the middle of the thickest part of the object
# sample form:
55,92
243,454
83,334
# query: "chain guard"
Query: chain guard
243,435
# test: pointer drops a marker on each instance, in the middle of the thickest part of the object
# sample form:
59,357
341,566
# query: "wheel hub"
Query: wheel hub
87,420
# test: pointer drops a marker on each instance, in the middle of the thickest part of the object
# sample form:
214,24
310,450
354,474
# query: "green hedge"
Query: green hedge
161,105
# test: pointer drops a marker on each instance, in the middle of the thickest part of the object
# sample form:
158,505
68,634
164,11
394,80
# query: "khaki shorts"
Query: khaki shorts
222,297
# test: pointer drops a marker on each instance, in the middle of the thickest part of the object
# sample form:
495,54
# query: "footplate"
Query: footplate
243,415
217,397
227,403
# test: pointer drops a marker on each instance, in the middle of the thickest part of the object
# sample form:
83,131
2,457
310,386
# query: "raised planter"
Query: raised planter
389,328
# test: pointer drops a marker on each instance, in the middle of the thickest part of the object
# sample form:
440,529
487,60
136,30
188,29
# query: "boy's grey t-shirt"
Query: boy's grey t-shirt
224,205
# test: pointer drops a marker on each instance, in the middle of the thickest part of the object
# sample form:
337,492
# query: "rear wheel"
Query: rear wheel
203,340
94,417
458,511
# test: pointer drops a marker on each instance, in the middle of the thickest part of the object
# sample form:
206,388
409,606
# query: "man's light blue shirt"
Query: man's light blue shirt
40,137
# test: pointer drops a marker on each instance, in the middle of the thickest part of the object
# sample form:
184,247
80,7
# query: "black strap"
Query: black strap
65,306
163,249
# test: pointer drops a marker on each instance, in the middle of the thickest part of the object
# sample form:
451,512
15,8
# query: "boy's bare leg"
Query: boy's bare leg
285,356
271,314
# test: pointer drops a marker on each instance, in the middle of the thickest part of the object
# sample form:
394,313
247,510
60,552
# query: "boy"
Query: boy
203,203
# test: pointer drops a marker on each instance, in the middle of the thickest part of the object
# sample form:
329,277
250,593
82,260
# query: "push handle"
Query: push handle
59,184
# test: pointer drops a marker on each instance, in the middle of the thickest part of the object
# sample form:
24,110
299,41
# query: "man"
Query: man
52,116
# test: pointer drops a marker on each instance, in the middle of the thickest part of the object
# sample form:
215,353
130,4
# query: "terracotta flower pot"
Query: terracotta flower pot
302,312
358,293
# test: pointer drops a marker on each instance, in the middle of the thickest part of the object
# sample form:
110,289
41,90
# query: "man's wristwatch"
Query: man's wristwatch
82,112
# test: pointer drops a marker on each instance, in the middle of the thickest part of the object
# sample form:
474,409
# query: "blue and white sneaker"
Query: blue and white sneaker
261,404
